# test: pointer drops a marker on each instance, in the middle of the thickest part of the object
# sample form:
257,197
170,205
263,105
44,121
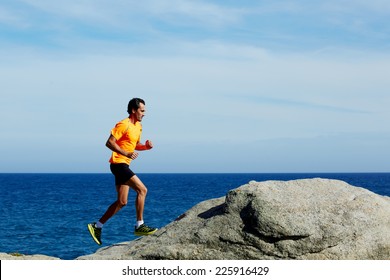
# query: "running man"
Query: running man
124,141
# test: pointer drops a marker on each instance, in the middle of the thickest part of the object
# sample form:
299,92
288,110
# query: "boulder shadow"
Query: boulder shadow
214,211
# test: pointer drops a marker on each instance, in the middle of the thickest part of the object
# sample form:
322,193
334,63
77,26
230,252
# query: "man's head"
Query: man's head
136,107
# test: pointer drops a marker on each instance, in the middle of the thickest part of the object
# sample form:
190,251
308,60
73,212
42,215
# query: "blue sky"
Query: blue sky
230,86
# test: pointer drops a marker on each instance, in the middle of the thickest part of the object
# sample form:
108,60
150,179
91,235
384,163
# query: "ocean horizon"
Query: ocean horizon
48,213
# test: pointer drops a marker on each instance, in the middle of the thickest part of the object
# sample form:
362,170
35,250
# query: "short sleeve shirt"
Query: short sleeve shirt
127,136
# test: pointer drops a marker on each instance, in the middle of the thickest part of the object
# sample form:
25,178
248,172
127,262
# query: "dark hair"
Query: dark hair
134,104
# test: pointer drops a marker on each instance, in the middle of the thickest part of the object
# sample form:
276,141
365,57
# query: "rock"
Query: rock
17,256
300,219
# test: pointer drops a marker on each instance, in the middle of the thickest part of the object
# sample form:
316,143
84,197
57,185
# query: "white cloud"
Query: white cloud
197,12
123,13
359,6
10,18
285,25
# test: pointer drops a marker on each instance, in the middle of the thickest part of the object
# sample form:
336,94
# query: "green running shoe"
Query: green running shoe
144,230
95,232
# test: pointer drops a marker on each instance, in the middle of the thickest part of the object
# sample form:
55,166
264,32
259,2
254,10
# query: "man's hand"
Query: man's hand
148,144
132,155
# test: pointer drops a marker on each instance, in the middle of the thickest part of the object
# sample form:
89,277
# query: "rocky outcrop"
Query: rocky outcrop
300,219
17,256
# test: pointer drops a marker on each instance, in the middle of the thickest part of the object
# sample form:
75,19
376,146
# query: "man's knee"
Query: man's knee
142,191
122,203
136,184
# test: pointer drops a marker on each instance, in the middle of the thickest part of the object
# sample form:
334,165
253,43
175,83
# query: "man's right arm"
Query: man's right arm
113,146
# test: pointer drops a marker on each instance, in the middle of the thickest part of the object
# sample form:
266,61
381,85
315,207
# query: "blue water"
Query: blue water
48,213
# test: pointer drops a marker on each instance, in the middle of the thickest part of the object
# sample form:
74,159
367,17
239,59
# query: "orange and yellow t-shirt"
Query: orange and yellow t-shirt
128,136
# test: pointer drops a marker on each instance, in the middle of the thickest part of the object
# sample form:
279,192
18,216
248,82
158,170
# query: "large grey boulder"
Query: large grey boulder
300,219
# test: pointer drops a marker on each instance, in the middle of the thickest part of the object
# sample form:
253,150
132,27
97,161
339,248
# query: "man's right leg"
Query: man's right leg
96,228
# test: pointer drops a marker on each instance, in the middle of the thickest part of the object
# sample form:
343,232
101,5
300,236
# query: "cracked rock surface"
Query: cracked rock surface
299,219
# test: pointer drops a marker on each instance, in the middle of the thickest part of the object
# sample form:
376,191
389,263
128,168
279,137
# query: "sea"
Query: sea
48,213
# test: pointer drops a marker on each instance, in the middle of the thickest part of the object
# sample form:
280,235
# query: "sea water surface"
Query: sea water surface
48,213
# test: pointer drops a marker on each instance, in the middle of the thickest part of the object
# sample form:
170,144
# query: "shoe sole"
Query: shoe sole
145,233
91,231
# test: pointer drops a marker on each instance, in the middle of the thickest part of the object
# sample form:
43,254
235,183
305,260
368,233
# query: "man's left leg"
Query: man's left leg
136,184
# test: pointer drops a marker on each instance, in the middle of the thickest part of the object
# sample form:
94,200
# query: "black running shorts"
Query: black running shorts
122,173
